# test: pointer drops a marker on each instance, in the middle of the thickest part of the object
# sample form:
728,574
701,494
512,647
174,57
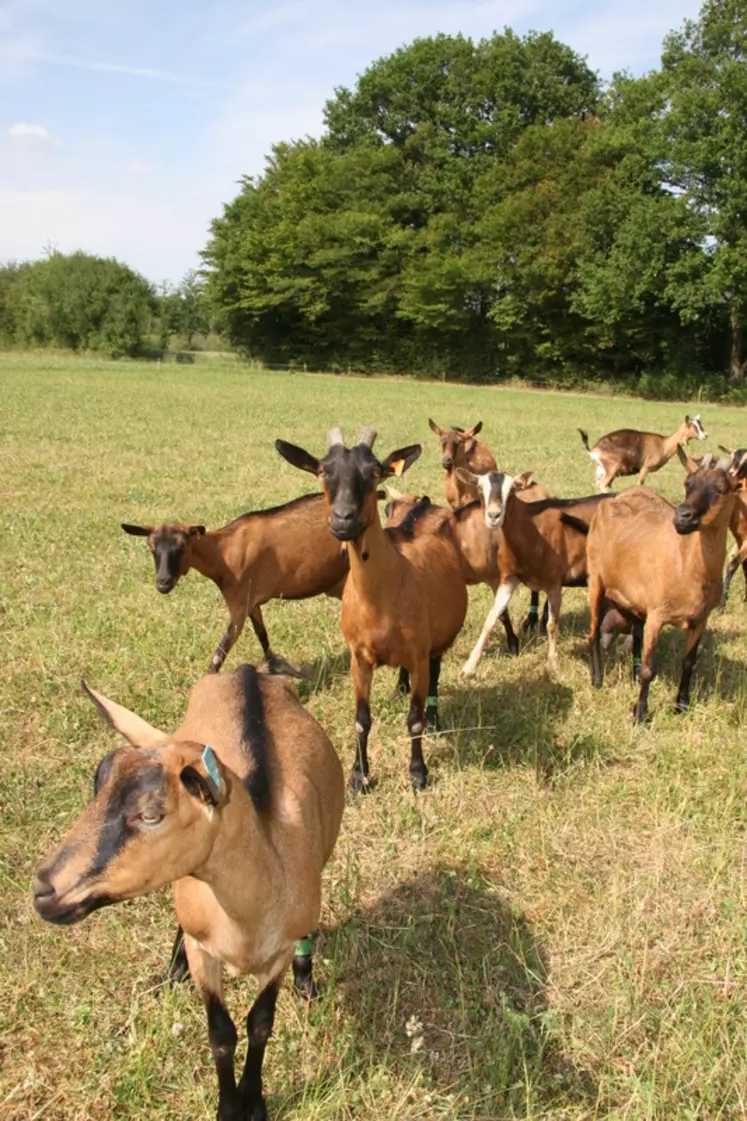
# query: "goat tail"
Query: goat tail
585,439
575,523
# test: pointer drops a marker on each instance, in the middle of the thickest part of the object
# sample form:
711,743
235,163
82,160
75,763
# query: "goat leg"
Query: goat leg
651,631
432,722
402,688
531,623
303,970
596,599
732,568
259,1025
637,648
233,630
502,598
554,599
178,967
688,665
415,717
362,674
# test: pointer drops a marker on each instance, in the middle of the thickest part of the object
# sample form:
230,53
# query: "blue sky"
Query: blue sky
125,124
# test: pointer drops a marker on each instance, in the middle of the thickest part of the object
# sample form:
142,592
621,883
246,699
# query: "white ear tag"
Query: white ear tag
211,766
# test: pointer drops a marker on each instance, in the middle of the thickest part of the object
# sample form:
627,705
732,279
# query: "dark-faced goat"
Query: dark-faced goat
405,599
541,544
239,808
282,553
628,451
459,448
662,565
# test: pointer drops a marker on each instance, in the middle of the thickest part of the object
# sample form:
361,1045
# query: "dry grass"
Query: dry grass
556,929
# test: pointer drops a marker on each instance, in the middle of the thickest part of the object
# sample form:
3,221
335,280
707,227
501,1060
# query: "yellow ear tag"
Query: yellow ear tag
399,467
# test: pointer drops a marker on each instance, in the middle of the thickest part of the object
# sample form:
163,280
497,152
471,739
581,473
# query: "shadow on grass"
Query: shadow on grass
443,984
511,724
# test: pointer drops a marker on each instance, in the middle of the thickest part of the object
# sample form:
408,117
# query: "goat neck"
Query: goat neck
372,558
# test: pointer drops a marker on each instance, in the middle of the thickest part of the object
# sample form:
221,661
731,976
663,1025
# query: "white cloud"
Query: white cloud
34,132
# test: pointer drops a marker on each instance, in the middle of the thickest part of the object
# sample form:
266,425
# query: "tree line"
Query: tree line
472,210
487,210
79,302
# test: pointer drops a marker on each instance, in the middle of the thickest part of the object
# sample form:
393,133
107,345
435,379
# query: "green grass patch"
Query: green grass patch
555,929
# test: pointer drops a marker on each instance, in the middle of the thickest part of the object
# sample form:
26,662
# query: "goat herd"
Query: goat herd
240,807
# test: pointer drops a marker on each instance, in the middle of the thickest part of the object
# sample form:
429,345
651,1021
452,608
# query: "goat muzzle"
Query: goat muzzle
686,520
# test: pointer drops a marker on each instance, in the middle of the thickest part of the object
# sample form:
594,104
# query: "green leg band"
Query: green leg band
431,702
533,609
637,663
303,948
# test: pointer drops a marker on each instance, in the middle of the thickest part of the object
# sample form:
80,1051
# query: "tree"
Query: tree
705,159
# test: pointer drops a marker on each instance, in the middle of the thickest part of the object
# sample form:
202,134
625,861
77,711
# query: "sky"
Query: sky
126,125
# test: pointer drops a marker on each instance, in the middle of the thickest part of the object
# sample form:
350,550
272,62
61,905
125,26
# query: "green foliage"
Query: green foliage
76,302
483,210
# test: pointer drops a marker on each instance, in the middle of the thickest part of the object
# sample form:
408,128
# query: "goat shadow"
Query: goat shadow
445,983
516,722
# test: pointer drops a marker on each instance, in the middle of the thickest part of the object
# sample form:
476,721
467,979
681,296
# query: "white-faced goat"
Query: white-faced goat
541,544
282,553
459,448
661,565
405,599
239,808
629,452
478,546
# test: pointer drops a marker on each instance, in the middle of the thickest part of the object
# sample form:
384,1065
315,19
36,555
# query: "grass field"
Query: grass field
555,929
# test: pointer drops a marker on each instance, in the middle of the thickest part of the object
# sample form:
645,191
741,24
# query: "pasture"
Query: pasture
555,929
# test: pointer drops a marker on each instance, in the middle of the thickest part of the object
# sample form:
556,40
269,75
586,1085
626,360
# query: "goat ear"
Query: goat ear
198,785
434,428
687,461
396,463
392,492
138,731
196,530
103,771
137,530
526,479
726,451
297,457
474,429
467,477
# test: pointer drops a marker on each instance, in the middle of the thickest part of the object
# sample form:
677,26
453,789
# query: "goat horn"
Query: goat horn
335,436
367,436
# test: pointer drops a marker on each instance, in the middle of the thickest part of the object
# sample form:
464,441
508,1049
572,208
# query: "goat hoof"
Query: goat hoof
419,778
432,723
358,783
681,707
255,1109
513,648
468,670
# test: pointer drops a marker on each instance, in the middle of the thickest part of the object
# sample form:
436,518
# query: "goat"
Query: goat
628,451
459,448
478,547
284,552
539,545
661,565
737,460
405,599
240,809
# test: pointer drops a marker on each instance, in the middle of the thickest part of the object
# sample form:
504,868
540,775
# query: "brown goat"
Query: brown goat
478,545
285,552
661,565
738,524
628,451
239,809
459,448
541,544
405,599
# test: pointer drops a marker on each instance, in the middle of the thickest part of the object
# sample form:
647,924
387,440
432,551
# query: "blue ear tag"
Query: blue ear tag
211,766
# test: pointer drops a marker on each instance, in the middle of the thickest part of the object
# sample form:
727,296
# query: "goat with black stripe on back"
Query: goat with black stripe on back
240,809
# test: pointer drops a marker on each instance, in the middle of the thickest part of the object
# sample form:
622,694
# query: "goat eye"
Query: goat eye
148,818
